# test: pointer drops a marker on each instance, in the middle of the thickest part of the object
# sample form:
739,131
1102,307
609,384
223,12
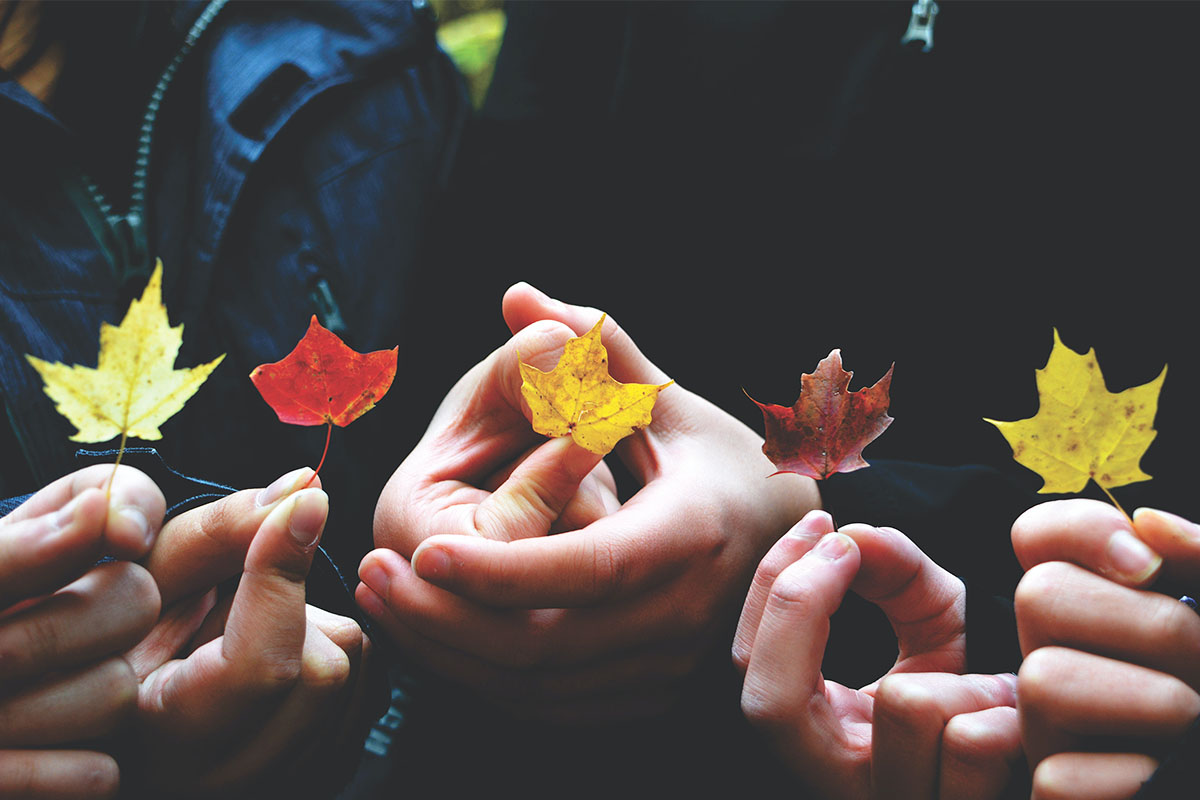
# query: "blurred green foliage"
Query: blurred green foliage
470,31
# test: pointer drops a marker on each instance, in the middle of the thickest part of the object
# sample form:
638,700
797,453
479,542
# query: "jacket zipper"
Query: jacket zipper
123,236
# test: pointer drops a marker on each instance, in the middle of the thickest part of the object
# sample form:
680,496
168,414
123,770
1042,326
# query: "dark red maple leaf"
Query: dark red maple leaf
324,382
828,427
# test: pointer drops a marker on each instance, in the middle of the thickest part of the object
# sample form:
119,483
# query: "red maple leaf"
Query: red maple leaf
828,427
324,382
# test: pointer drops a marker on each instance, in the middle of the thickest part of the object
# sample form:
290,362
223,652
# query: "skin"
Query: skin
1104,656
607,618
238,690
41,78
921,730
64,625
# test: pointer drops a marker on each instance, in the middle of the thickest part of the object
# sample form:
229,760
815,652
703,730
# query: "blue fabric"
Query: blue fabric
295,159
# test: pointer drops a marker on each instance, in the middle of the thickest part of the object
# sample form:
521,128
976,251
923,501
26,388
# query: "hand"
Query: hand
921,731
64,622
265,680
1106,662
608,618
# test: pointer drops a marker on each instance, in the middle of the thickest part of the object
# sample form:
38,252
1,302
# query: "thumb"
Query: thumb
533,497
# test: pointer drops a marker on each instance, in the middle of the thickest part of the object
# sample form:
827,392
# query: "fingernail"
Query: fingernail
1179,527
375,577
833,546
136,518
811,525
307,518
432,563
1010,678
283,486
1131,557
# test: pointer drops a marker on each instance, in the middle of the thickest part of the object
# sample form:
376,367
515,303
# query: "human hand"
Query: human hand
238,694
922,730
610,617
1111,673
64,622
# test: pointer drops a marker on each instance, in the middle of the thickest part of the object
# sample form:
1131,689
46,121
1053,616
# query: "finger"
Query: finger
105,612
518,638
477,432
69,707
174,629
798,541
39,555
980,754
783,677
204,546
639,681
925,604
911,714
324,675
596,496
57,775
1091,776
260,655
523,305
1173,537
535,494
134,513
1069,697
606,561
1089,533
1062,604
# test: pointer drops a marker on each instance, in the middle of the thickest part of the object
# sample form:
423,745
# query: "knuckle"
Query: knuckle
904,701
766,711
1040,673
119,683
1053,780
607,569
1040,588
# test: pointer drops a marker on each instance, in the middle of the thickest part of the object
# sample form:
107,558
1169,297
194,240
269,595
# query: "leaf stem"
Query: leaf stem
117,463
1115,503
328,434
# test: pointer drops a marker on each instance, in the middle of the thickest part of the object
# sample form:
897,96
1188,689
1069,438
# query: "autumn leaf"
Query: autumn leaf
826,430
134,387
579,399
324,382
1082,431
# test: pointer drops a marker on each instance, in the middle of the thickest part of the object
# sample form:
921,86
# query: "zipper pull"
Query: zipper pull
920,24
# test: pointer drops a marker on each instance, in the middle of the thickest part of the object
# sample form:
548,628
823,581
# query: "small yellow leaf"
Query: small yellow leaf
579,399
134,388
1081,430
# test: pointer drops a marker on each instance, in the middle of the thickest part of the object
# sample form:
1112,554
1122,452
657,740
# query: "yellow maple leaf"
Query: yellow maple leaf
134,387
1082,431
579,399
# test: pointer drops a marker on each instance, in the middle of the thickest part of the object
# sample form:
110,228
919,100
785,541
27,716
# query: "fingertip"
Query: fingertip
136,507
286,485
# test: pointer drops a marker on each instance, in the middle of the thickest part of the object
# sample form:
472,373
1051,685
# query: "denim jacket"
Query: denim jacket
288,156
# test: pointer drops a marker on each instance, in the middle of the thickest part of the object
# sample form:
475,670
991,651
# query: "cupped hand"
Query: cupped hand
922,730
239,693
609,617
1112,671
64,622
